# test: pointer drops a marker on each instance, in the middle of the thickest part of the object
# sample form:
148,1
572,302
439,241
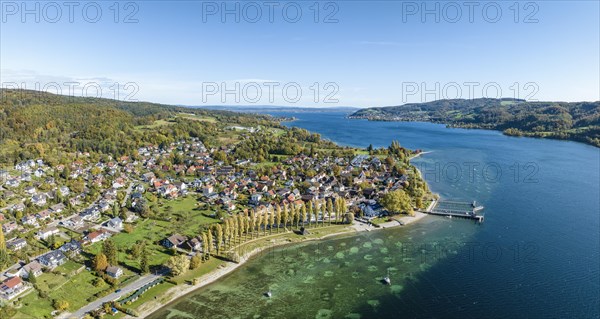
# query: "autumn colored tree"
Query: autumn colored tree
195,262
178,264
110,251
397,202
100,262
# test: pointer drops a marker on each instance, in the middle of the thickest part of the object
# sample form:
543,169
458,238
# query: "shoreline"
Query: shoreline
181,291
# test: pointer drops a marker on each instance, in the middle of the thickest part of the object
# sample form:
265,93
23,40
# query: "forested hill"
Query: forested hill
578,121
36,124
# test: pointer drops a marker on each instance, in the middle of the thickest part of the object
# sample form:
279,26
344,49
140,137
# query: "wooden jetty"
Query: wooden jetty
456,209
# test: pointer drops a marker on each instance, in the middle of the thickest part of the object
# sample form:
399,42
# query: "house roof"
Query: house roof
112,269
177,239
11,282
33,266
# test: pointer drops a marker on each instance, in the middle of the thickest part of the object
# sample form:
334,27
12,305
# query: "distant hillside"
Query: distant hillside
275,108
38,124
577,121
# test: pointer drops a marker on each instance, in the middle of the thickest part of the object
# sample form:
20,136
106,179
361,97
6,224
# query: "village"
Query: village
55,219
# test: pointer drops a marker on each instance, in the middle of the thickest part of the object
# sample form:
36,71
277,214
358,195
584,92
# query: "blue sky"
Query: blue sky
377,53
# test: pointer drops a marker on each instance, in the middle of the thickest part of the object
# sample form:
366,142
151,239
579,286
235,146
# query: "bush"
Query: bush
60,305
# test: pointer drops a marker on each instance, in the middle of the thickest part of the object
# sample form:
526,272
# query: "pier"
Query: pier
456,209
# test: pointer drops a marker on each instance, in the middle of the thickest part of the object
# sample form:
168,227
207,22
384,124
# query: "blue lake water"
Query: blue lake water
537,254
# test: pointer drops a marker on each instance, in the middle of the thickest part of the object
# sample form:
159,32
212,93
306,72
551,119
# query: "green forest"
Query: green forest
577,121
36,124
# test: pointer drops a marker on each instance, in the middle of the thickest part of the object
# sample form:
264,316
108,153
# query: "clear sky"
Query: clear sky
360,53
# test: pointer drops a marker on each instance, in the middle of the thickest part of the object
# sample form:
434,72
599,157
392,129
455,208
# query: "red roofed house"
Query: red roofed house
11,287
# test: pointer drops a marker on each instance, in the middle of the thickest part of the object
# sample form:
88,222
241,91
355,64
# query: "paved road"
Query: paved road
114,296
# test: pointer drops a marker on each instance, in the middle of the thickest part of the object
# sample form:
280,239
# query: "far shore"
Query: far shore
180,291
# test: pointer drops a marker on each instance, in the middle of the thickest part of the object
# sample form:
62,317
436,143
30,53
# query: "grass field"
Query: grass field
154,125
74,289
199,118
185,219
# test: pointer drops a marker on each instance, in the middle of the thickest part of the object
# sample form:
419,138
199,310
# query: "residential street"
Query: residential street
114,296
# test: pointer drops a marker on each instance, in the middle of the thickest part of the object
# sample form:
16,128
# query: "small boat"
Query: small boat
449,216
387,279
268,294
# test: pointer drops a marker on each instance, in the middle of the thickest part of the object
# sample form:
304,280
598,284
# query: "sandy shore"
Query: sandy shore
181,290
417,155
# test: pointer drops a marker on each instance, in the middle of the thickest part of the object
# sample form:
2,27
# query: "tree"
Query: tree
278,215
226,231
210,244
100,262
60,305
219,235
116,210
178,264
303,213
285,216
195,262
205,249
329,208
2,240
4,258
397,202
128,228
110,250
144,267
265,221
310,212
31,278
349,218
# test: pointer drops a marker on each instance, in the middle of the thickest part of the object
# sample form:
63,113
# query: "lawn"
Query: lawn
74,289
199,118
185,219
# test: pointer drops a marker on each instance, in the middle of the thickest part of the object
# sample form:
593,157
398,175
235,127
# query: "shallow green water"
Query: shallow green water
340,277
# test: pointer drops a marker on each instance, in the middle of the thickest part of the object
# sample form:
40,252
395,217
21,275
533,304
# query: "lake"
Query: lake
536,254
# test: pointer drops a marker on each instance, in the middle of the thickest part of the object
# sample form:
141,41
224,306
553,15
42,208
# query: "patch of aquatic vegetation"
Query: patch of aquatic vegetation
377,241
396,289
324,314
354,250
374,303
174,313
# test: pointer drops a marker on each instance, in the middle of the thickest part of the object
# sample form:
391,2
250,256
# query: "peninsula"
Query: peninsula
577,121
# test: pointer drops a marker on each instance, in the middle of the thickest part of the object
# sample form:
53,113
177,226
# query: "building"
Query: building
11,287
46,233
115,223
16,244
52,259
96,236
33,268
9,227
173,241
114,271
71,248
